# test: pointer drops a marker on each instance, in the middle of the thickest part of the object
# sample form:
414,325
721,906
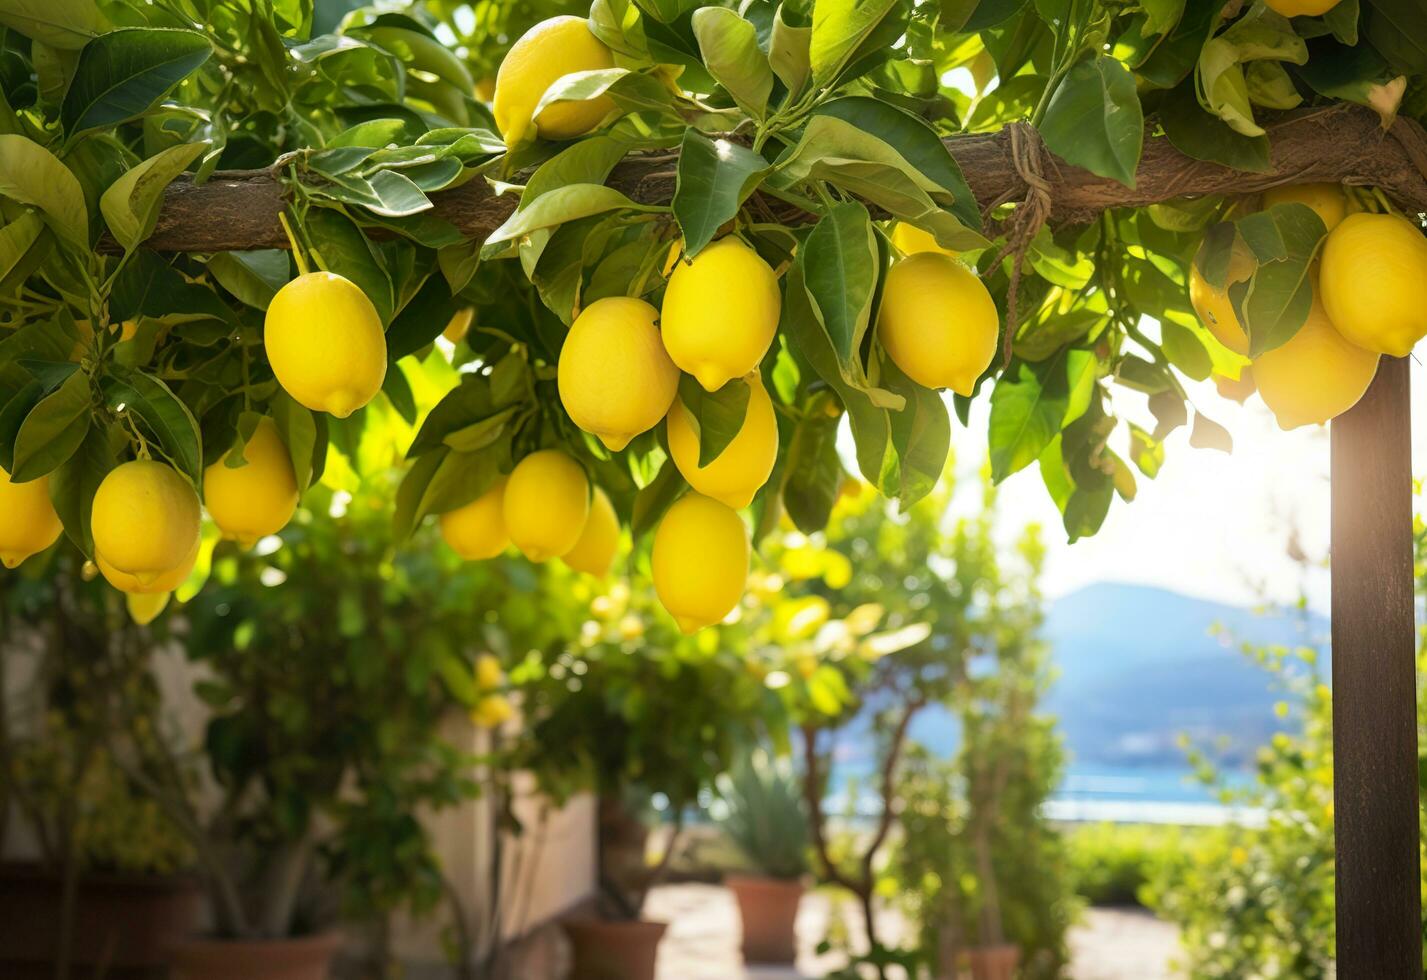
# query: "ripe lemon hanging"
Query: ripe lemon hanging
700,561
1328,200
594,552
938,323
544,54
145,519
1316,376
256,499
546,504
476,531
909,240
144,609
1301,8
164,582
1373,277
489,674
720,312
492,711
28,522
1213,306
325,343
615,378
736,474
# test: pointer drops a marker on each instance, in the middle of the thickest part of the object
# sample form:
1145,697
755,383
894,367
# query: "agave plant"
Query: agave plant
765,818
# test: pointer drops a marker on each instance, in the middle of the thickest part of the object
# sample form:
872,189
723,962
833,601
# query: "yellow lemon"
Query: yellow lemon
256,499
938,323
700,561
1328,200
492,711
143,609
459,324
546,504
1213,306
1314,377
165,581
736,474
476,531
325,343
1236,389
488,672
594,552
909,240
544,54
28,522
145,519
1373,277
720,312
1301,8
615,378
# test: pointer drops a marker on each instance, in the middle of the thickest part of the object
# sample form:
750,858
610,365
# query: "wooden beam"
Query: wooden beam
1374,685
238,210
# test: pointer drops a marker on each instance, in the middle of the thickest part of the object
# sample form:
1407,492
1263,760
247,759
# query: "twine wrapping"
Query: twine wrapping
1029,157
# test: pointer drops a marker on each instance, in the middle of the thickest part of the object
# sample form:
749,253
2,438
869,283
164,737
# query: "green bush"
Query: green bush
765,817
1111,863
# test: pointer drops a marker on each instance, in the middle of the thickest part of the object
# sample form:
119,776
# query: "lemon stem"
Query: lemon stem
297,255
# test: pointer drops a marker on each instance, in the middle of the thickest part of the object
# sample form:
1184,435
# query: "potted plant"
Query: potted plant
103,884
765,818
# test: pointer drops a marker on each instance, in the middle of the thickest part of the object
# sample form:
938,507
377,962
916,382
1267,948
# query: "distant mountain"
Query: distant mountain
1139,666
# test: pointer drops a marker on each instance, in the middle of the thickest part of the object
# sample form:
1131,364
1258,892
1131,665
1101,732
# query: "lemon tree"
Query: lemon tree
640,250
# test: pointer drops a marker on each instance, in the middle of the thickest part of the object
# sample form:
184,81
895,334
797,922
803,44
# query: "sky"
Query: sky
1211,525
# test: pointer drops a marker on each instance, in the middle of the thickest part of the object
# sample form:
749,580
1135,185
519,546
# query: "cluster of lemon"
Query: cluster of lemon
1366,302
492,708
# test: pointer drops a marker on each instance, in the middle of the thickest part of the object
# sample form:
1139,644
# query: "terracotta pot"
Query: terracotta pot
769,910
123,924
301,958
604,950
993,962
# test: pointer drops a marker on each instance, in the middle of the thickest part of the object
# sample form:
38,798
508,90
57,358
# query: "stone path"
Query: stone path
702,941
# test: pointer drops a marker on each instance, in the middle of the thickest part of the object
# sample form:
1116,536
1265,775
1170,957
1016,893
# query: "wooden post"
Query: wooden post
1374,686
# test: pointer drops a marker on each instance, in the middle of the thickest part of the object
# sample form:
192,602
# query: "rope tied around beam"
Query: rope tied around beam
1031,160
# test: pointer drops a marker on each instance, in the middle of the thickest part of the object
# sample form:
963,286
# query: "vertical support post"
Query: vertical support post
1374,685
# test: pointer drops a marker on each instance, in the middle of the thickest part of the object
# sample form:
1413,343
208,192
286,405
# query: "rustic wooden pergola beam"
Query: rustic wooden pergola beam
238,210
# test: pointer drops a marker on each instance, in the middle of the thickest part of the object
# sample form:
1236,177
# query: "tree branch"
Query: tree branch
238,210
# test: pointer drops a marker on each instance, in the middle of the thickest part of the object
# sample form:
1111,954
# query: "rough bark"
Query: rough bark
239,209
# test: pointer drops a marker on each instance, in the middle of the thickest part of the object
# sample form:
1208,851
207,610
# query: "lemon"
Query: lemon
145,519
476,531
909,240
492,711
700,561
594,552
256,499
325,343
1236,389
615,378
143,609
1316,376
1373,275
546,504
736,474
544,54
1213,306
1301,8
165,581
720,313
488,672
938,323
28,522
1328,200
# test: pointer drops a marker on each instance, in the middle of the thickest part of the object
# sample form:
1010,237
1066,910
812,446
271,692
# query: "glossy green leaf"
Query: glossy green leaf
131,204
64,24
1032,403
839,28
53,429
716,416
840,269
122,74
1094,120
166,417
729,45
31,174
714,178
562,204
75,481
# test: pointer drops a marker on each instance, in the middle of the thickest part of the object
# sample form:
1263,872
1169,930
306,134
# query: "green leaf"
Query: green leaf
252,277
654,499
921,434
122,74
563,204
31,174
1395,29
74,483
729,45
1094,120
788,53
716,416
840,268
168,418
1277,299
341,247
298,430
20,240
131,203
53,429
65,24
1203,136
813,471
714,178
839,28
1033,403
